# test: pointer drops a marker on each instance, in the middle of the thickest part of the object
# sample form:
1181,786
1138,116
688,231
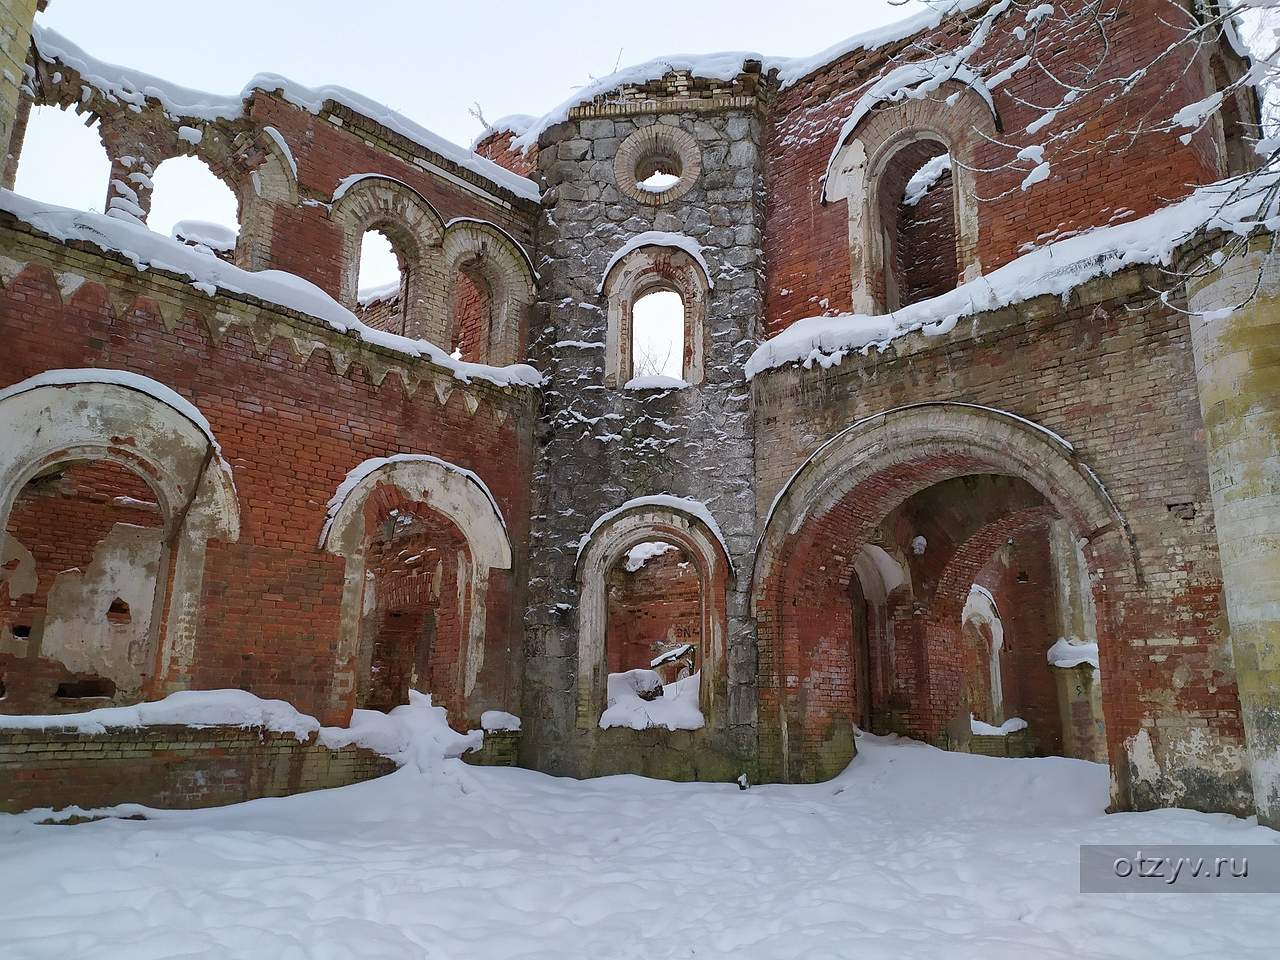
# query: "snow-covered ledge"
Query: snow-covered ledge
1055,270
148,250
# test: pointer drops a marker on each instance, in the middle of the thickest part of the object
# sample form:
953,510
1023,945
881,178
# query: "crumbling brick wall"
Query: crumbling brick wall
652,609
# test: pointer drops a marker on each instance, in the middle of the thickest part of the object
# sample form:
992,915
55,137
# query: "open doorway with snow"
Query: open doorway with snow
654,642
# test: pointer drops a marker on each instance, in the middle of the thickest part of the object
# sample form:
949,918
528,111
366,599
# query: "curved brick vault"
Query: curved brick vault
809,550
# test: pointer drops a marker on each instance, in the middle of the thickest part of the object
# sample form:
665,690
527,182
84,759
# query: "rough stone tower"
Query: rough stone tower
608,239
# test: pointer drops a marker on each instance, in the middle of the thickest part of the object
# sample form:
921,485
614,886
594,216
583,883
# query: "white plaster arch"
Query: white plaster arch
416,230
453,491
871,138
50,420
606,543
505,265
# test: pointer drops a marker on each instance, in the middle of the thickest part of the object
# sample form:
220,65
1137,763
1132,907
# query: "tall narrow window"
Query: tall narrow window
657,336
472,312
63,161
917,206
380,289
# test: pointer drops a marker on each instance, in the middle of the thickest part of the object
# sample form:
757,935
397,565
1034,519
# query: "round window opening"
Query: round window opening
657,164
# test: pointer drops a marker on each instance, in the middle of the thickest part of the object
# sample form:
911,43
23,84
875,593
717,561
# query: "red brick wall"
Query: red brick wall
806,241
170,767
1022,580
652,609
472,315
927,261
291,427
497,147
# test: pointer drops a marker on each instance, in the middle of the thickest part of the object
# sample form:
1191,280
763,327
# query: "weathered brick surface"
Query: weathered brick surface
170,766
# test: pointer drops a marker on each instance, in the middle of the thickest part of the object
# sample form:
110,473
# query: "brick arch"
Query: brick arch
959,119
489,252
452,492
416,232
609,539
829,507
645,270
92,415
270,181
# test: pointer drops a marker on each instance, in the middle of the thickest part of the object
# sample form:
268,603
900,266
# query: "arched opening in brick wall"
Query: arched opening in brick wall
917,202
83,556
416,604
652,620
62,160
953,497
427,569
658,335
653,644
381,285
190,202
108,496
472,304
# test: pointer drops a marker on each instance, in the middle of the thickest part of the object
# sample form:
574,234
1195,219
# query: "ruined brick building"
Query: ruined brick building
857,505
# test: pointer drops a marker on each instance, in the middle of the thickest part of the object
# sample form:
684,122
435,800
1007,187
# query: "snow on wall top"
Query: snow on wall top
1235,206
727,65
514,124
134,87
149,250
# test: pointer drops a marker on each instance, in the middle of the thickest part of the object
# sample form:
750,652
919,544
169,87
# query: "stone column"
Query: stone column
16,17
1237,357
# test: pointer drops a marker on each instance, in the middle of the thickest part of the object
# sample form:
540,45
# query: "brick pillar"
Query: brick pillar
1238,370
16,17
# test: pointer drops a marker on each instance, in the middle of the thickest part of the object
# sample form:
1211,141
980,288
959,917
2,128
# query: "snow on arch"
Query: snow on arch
372,465
692,508
133,381
658,238
146,250
910,81
489,224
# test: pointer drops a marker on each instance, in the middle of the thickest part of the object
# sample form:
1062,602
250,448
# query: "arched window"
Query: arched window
653,644
906,246
414,231
380,290
189,201
917,207
63,161
491,288
657,336
652,618
108,496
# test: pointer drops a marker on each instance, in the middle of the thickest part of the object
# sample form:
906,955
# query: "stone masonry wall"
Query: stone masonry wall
598,447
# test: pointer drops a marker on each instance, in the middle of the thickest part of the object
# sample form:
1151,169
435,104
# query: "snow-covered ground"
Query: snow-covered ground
912,853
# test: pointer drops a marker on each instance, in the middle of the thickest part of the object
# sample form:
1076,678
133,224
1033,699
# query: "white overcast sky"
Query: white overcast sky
426,59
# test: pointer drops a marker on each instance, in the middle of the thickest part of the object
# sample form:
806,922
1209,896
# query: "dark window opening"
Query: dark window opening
93,688
118,612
